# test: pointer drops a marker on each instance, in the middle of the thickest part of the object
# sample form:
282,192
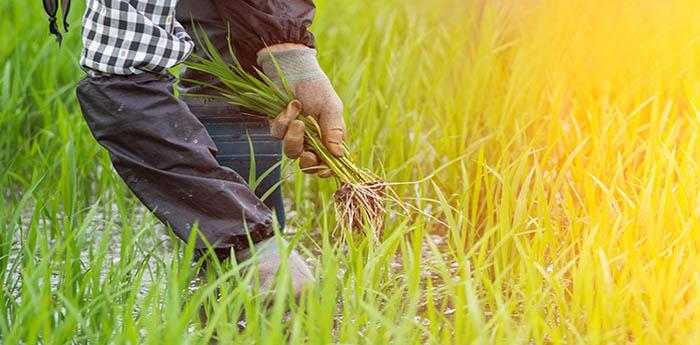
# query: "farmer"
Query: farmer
160,145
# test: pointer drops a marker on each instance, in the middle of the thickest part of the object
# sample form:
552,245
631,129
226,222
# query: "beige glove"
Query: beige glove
315,97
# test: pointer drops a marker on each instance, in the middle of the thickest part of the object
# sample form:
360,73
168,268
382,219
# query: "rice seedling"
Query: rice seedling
360,198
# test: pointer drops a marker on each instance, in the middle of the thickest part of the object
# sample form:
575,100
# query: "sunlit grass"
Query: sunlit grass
570,213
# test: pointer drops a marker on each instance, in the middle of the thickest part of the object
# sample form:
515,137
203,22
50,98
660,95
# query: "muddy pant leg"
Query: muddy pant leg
244,144
166,157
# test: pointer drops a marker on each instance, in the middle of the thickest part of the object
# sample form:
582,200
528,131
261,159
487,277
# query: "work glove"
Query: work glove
315,97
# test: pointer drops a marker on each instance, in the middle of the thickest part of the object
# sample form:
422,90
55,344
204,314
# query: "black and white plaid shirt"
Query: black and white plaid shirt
132,36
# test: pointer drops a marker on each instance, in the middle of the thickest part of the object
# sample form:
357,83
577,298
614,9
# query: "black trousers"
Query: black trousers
243,143
186,173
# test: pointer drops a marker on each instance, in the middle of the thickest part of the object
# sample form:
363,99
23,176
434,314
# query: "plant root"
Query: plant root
361,204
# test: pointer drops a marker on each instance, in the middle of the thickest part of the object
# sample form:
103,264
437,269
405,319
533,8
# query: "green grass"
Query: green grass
569,214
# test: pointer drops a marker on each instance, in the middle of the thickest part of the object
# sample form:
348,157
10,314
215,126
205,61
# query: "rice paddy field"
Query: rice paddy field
554,150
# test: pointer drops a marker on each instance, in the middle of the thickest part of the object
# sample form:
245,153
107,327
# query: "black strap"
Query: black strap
65,8
51,9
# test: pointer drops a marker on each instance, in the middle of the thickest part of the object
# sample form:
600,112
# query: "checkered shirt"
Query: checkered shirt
132,37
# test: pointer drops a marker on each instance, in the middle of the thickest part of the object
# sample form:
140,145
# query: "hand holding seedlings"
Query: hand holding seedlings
294,74
317,97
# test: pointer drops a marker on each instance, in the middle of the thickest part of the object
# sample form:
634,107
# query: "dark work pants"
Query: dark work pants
168,159
235,134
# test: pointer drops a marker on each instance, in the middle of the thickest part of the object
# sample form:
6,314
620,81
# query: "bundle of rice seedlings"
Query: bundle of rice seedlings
360,198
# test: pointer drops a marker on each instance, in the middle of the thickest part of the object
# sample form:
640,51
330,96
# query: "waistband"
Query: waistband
212,108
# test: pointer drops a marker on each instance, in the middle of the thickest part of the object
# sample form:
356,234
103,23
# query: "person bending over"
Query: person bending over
185,161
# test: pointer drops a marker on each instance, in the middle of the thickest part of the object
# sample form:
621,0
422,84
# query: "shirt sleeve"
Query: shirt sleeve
255,24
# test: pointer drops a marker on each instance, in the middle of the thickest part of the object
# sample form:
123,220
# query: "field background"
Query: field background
557,141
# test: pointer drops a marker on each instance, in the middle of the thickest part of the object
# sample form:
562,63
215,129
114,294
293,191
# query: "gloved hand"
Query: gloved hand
315,97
